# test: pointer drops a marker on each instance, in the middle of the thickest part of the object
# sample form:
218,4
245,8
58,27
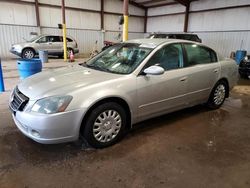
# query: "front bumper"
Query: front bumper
50,129
15,52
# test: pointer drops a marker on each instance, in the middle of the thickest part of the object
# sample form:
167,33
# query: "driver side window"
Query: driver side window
169,57
43,40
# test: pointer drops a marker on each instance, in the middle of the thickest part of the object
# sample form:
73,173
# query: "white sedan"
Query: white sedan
125,84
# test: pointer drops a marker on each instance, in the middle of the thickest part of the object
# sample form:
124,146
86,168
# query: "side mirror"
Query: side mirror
154,70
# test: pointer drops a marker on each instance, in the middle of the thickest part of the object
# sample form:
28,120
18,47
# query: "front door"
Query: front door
158,94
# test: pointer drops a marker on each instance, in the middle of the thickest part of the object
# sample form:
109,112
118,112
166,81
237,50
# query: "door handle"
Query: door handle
183,79
216,70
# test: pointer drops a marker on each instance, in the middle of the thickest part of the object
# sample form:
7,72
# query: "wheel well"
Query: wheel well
117,100
30,49
227,86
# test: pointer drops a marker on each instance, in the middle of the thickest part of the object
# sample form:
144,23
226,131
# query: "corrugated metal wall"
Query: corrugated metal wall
169,23
222,29
18,20
11,34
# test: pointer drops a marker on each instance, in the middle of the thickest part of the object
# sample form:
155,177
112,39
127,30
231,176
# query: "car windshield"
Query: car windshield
33,39
120,59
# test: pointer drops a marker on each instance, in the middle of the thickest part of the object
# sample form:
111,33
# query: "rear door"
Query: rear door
204,69
55,44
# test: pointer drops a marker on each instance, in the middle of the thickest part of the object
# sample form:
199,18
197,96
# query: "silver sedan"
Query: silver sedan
125,84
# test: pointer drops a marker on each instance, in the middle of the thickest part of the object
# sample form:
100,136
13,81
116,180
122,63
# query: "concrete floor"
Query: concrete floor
192,148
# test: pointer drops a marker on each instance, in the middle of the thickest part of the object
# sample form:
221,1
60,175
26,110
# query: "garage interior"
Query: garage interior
194,147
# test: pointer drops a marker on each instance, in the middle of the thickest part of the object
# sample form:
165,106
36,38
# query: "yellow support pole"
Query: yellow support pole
125,28
65,53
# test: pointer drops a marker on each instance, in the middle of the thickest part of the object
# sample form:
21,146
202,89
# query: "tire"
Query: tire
69,51
244,76
105,125
218,95
28,53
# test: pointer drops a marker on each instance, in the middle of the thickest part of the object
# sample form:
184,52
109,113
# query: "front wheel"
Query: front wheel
105,125
218,95
28,53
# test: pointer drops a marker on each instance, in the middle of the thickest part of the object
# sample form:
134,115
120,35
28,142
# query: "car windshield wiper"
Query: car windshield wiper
96,67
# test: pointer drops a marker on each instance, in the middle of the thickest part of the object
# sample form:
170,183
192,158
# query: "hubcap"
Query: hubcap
219,94
107,126
28,54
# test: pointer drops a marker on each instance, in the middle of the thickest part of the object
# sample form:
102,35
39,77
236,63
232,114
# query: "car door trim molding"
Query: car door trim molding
156,102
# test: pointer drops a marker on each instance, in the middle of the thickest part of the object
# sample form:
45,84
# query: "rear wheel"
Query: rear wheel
28,53
218,95
105,125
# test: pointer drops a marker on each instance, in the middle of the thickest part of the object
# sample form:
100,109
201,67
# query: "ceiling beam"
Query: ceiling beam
183,2
135,4
164,4
153,1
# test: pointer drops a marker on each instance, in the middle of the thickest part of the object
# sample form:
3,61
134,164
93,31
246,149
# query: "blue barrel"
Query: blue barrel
43,56
1,78
240,54
28,67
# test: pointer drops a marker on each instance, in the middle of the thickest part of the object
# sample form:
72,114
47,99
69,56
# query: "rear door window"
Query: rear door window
54,39
199,55
69,40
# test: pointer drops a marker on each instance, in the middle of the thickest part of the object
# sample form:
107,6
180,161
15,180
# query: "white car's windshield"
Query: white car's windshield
121,59
33,39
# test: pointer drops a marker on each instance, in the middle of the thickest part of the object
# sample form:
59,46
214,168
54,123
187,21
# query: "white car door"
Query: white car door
158,94
201,62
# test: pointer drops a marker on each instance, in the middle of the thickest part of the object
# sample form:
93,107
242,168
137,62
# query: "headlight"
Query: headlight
17,48
51,105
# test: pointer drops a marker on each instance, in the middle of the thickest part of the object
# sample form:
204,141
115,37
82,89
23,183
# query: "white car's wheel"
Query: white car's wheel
218,95
105,125
28,53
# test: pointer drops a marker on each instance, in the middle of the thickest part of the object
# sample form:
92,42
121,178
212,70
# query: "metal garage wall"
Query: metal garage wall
113,36
18,14
18,20
221,29
11,34
224,30
117,6
226,42
168,23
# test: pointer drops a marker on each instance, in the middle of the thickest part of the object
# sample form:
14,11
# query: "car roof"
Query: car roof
153,43
43,35
172,33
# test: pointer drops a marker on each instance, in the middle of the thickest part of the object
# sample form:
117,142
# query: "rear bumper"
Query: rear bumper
76,51
244,71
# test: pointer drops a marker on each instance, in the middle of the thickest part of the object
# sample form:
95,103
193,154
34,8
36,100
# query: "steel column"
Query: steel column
186,17
125,15
64,32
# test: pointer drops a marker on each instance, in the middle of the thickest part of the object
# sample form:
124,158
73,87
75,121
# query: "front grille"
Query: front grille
19,100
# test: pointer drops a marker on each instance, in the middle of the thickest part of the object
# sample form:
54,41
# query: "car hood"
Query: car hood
62,81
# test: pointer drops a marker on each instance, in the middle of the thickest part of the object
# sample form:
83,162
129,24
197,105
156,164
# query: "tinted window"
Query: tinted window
54,39
43,40
168,57
199,55
69,40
